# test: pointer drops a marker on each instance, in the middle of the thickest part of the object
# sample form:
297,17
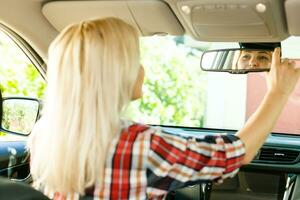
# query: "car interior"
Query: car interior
210,31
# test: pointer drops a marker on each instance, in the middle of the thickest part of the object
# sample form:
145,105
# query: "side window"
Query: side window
19,77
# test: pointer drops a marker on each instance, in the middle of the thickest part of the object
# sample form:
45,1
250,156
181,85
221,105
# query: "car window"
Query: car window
18,75
177,92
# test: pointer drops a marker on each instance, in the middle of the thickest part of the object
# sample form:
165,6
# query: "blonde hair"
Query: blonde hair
92,69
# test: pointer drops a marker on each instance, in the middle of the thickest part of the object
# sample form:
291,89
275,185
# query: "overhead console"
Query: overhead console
234,20
141,14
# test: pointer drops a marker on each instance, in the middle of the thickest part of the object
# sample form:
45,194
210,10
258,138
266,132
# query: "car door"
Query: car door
21,75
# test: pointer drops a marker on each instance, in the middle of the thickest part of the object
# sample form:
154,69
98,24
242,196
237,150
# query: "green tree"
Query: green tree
174,89
18,76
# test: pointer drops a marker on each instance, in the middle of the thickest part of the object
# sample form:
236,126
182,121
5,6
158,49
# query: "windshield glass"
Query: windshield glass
177,92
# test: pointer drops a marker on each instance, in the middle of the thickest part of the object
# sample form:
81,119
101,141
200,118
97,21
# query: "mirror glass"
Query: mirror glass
238,61
19,115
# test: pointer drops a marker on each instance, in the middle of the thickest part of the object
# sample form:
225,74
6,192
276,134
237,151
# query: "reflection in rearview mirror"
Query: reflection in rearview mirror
19,114
237,61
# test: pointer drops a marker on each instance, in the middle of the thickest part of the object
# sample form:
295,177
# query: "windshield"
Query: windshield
177,92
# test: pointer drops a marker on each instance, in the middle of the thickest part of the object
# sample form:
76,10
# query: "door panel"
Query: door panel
14,160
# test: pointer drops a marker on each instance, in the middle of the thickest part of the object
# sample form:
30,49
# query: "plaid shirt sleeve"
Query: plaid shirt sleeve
174,161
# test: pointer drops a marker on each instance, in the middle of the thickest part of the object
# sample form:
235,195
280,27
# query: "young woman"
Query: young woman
80,146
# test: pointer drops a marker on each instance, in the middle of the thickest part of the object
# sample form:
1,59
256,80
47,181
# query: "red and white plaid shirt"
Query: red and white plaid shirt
146,163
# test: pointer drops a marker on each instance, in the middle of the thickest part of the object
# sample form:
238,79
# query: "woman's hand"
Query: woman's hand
283,75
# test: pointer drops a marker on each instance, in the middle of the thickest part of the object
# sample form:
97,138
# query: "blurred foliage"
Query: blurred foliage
174,89
18,76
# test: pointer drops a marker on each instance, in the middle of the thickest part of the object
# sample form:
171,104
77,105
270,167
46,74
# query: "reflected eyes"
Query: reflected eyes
246,57
260,58
263,58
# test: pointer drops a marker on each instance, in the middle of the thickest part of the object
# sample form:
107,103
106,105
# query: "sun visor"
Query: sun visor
149,17
292,8
235,20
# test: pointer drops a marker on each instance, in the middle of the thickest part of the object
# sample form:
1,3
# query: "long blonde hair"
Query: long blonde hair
92,69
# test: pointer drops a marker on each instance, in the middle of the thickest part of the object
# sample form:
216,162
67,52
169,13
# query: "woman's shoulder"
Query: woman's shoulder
130,126
137,128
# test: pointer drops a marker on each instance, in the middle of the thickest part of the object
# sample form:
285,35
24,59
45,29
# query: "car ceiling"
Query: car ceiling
39,21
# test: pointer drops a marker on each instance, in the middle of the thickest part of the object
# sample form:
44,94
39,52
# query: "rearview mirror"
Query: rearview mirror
237,61
19,115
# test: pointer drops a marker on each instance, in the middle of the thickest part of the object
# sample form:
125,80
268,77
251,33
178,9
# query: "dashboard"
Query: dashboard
272,175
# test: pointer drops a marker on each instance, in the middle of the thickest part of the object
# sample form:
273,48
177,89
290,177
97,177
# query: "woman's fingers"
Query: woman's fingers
276,57
283,74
